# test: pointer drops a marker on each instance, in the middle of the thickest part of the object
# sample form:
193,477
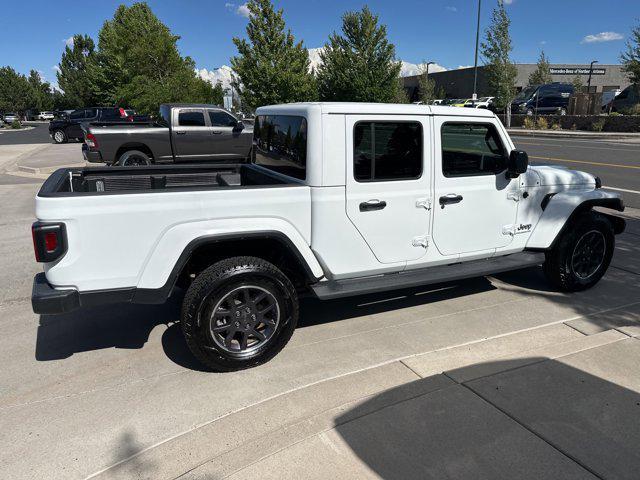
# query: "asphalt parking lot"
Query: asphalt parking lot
496,377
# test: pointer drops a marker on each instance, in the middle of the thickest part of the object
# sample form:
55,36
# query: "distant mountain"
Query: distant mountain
223,74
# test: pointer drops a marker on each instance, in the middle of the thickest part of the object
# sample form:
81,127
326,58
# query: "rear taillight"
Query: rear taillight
122,112
90,140
49,241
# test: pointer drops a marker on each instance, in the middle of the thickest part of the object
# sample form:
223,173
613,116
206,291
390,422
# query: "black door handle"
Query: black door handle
217,132
450,198
181,133
372,205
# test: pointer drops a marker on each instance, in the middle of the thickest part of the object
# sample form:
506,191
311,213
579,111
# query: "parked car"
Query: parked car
451,102
183,133
482,102
339,199
551,98
9,118
69,127
626,100
45,116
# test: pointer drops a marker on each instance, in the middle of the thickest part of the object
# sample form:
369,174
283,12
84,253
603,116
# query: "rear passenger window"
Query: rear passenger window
191,119
471,149
387,151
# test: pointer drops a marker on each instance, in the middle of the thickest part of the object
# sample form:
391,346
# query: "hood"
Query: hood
549,175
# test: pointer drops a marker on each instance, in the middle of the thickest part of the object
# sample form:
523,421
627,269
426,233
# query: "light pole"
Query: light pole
590,72
475,61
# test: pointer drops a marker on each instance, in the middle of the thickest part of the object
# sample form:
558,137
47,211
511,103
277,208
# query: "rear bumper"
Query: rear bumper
46,300
90,155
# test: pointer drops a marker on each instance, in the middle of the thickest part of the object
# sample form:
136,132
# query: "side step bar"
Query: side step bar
426,276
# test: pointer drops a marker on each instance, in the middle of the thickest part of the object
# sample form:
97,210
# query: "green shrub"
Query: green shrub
528,123
16,124
574,126
598,125
556,126
615,114
543,124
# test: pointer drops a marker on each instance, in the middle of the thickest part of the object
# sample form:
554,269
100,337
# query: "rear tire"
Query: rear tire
582,254
239,313
134,158
59,136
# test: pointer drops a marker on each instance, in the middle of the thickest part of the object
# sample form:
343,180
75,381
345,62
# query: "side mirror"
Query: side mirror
238,127
518,163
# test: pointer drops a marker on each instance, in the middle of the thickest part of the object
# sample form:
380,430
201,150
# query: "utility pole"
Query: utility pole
590,72
475,62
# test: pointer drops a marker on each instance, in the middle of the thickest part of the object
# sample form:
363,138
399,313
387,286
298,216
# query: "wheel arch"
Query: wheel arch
272,245
133,146
560,209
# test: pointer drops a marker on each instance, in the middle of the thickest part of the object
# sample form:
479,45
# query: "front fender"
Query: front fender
164,257
560,208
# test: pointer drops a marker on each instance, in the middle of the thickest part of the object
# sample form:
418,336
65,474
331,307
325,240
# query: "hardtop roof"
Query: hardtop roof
357,108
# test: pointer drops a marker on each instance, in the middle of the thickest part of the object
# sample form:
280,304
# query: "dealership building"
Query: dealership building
459,83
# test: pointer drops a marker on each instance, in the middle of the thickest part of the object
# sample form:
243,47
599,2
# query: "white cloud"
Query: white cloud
56,68
602,37
222,75
229,5
507,2
543,42
451,8
68,41
243,10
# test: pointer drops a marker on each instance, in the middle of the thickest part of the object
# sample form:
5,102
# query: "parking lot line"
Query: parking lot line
622,190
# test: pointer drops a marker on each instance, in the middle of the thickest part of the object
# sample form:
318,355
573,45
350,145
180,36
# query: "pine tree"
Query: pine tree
15,92
496,50
270,66
42,97
359,65
76,72
541,74
631,58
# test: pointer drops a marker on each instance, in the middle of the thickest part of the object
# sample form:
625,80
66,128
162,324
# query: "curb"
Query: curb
47,170
581,135
9,129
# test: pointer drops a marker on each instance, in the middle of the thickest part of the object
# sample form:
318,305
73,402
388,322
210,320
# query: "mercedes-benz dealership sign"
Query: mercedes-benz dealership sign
577,71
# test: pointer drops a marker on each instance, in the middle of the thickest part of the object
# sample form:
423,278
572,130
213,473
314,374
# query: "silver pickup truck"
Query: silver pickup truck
183,133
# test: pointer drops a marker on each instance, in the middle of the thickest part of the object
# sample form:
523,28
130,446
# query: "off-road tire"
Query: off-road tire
217,281
558,265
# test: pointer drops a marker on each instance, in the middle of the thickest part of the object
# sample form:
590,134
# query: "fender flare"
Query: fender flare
559,209
147,292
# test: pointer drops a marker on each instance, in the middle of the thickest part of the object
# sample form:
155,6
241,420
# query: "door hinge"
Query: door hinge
420,242
515,196
423,203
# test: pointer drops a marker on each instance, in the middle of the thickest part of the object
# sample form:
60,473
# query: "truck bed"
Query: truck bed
114,180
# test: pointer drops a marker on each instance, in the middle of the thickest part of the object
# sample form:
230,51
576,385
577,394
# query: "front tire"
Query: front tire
582,254
239,313
59,136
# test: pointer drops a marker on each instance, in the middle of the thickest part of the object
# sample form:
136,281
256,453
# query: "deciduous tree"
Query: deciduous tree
541,74
15,92
496,50
631,57
359,65
77,73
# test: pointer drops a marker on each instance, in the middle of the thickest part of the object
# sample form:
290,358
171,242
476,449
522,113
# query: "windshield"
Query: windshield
525,94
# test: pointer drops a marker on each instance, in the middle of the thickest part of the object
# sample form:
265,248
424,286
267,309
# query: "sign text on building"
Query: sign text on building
577,71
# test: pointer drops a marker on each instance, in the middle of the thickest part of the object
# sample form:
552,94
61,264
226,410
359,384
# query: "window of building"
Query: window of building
191,119
471,149
385,151
280,144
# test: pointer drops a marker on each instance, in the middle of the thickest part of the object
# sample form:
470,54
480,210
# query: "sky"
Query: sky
34,32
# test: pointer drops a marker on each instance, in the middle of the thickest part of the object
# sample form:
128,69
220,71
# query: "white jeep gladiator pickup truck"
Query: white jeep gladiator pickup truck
339,199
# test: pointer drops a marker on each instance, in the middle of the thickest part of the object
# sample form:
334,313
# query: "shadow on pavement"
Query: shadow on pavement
547,420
